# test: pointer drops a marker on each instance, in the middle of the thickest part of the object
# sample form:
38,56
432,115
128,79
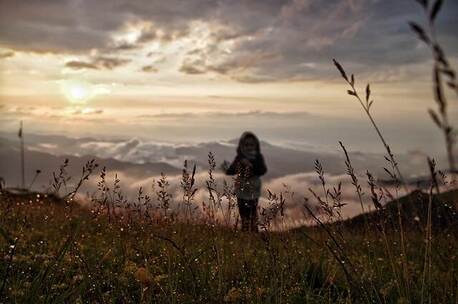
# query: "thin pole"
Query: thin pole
21,136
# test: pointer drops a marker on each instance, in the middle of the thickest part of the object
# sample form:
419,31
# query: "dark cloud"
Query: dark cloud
147,34
77,65
56,26
110,63
213,58
193,67
299,34
98,63
149,69
125,46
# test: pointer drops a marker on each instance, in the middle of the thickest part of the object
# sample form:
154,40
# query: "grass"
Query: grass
54,256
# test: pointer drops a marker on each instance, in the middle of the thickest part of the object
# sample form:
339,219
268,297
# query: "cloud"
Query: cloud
110,63
6,54
133,176
220,57
255,78
98,63
77,65
365,34
193,67
149,69
138,163
87,111
137,34
31,113
282,159
294,188
231,114
125,46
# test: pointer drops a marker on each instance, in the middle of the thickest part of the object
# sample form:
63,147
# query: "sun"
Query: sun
77,92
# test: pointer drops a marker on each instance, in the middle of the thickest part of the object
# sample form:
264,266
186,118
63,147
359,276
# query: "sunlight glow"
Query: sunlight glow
77,92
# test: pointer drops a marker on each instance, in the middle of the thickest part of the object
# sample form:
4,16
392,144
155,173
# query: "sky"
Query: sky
201,70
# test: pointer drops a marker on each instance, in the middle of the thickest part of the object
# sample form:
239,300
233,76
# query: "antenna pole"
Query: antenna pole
22,157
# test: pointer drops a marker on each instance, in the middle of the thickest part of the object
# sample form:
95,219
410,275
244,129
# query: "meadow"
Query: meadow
52,253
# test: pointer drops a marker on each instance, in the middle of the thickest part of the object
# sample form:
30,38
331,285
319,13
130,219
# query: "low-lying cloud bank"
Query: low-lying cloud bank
282,159
138,163
294,188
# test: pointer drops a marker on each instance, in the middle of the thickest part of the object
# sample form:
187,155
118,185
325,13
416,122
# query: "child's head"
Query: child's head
248,145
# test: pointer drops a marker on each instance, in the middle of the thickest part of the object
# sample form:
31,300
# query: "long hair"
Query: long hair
246,135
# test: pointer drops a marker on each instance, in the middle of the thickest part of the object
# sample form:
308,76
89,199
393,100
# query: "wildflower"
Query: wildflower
232,295
143,276
77,278
160,277
260,291
130,267
386,289
17,292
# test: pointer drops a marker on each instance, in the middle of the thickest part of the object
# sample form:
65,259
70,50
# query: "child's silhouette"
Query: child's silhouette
248,166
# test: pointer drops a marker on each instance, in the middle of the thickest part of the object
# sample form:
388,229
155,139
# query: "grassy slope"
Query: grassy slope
63,256
414,212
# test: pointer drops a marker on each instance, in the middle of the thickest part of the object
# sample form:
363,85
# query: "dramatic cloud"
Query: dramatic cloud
251,41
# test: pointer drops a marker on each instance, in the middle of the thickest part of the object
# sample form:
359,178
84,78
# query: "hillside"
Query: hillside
414,212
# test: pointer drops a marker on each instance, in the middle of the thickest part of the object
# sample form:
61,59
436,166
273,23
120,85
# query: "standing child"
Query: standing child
248,166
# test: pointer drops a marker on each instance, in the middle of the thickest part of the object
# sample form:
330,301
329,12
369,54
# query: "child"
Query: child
248,166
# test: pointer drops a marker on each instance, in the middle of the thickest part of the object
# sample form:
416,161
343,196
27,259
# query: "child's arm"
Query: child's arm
232,170
259,166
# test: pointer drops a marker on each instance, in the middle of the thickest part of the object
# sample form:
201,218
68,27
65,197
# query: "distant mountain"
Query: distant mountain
47,163
281,159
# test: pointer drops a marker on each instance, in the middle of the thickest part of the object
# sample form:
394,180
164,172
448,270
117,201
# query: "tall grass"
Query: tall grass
444,75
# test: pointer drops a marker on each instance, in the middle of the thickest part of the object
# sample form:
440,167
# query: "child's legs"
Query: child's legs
248,213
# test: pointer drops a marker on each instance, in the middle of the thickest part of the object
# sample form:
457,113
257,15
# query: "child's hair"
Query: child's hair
245,136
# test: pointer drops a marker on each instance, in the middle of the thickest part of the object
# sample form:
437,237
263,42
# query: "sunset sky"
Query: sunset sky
202,69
